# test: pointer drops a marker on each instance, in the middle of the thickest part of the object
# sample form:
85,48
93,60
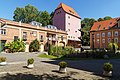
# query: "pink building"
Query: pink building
65,18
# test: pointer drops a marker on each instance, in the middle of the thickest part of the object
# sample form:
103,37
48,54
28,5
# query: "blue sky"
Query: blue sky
85,8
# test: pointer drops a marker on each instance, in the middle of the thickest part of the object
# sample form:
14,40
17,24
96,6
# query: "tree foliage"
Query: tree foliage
15,46
107,18
88,23
34,46
30,13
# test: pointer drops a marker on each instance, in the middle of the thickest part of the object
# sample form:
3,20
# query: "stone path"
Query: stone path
46,69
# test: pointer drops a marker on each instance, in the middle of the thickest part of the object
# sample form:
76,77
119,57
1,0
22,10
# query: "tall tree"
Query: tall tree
45,18
100,19
30,13
26,15
107,18
51,15
88,23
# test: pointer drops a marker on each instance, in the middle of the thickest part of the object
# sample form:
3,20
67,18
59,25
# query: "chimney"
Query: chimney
119,23
19,23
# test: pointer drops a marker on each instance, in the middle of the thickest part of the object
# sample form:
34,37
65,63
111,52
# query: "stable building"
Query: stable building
12,30
104,32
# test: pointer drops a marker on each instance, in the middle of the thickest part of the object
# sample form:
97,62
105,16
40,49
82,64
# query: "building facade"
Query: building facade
65,18
11,30
104,32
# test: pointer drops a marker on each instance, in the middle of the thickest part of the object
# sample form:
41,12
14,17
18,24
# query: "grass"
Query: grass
64,58
61,58
47,56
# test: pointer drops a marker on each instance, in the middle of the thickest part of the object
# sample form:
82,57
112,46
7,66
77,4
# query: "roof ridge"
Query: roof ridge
68,9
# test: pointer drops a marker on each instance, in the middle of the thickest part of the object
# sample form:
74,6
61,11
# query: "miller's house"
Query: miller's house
67,19
104,32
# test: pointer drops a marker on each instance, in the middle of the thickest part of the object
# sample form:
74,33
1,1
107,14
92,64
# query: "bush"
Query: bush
63,64
30,61
108,67
15,46
2,59
59,51
34,46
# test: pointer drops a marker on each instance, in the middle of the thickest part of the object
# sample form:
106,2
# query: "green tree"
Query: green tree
34,46
30,13
113,46
44,18
26,14
88,23
107,18
100,19
51,15
15,46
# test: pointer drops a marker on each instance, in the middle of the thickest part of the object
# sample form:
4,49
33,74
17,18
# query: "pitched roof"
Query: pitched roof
102,25
68,9
25,25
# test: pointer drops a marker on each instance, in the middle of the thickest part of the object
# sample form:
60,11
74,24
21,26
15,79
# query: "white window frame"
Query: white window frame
116,33
103,34
103,40
109,34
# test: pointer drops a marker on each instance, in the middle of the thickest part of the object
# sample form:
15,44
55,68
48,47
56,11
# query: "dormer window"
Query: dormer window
110,22
71,12
104,28
108,27
99,27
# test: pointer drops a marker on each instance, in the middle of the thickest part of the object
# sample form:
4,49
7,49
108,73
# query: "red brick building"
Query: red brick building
104,32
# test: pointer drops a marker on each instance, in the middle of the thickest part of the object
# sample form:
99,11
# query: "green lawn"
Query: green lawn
61,58
47,56
64,58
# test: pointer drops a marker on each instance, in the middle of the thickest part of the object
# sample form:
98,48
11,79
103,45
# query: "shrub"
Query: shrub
15,46
34,46
63,64
2,59
59,51
113,46
108,67
50,49
30,61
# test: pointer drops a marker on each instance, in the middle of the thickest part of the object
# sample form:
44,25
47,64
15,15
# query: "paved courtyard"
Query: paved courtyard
46,69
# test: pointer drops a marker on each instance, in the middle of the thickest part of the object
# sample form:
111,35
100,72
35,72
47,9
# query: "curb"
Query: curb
15,72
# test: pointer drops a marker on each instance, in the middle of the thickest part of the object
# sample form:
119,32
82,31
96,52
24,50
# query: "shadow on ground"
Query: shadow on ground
21,76
94,66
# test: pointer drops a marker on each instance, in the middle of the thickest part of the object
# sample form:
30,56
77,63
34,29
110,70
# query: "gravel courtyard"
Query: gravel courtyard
46,69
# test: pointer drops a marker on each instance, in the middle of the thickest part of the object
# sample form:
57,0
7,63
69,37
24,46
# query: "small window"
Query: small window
68,29
68,17
24,36
103,34
109,34
109,40
3,31
68,23
76,31
41,38
15,38
68,36
116,40
98,35
98,40
103,40
116,33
